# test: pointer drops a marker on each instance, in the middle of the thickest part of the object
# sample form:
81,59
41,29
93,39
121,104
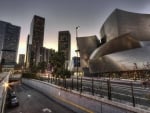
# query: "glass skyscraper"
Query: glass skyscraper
9,40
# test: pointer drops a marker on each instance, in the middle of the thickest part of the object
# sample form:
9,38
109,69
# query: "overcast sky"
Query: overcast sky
65,15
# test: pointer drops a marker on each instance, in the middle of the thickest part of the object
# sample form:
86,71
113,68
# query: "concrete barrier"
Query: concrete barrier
3,91
81,103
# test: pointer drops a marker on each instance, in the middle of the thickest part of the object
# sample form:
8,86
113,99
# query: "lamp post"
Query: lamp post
77,57
77,65
78,27
77,45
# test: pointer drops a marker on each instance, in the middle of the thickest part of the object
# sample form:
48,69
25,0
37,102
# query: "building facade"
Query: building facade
28,53
45,54
121,22
21,59
9,41
125,44
86,49
64,44
35,40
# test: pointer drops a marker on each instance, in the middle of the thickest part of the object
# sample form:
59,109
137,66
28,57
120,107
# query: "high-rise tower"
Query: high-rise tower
36,39
64,43
21,59
9,40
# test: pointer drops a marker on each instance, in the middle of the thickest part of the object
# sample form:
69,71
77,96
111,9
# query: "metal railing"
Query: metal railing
127,92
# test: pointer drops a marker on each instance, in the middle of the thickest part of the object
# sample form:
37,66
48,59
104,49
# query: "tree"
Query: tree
66,73
42,66
34,69
57,61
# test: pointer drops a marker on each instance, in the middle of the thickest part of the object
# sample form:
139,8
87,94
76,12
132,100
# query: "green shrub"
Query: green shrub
66,73
29,75
148,96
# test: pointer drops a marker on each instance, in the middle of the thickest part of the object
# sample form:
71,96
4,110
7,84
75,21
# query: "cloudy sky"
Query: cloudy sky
64,15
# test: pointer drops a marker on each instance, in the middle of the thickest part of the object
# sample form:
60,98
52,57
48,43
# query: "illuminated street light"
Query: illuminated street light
6,85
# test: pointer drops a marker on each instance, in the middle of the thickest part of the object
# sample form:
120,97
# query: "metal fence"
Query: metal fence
127,92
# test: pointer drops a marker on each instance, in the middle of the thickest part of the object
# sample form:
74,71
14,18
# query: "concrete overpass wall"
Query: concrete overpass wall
81,103
4,78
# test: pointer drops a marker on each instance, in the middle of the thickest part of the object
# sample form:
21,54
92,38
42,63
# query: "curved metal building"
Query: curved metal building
86,46
125,44
121,22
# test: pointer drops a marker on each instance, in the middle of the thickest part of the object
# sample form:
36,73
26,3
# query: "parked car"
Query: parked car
12,100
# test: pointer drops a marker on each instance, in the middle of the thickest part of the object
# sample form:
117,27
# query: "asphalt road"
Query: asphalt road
32,101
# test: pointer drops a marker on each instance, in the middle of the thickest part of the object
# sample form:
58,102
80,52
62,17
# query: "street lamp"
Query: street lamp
5,85
77,60
77,56
77,47
77,65
78,27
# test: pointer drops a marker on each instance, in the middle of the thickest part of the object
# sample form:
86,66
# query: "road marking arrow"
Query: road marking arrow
46,110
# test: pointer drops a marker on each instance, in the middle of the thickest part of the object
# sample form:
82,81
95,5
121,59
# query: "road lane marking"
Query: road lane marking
59,93
29,96
76,105
46,110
